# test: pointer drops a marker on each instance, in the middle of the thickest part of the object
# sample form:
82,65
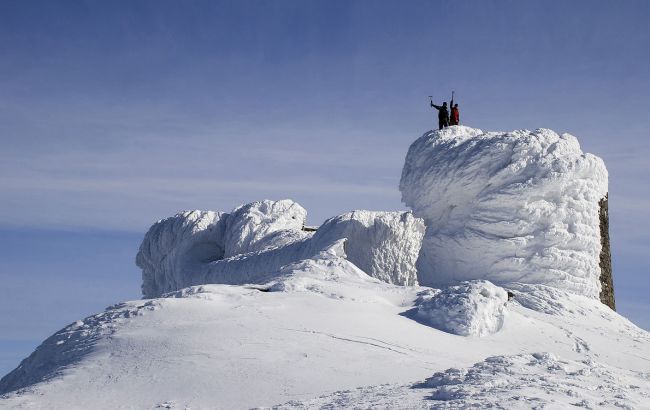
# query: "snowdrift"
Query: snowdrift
475,308
516,207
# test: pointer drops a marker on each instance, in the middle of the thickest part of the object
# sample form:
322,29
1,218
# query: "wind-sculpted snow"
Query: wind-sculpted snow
255,241
525,381
175,247
385,245
507,207
475,308
538,380
263,225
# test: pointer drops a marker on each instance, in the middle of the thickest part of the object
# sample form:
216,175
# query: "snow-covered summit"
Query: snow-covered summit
248,309
509,207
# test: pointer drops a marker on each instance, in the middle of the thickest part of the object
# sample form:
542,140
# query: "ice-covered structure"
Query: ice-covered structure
255,241
263,225
385,245
515,207
174,247
525,207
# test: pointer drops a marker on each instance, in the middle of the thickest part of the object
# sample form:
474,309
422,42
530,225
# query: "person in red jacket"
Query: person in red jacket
454,116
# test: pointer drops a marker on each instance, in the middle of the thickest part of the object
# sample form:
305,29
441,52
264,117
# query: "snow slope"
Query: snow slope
323,327
519,206
248,310
523,381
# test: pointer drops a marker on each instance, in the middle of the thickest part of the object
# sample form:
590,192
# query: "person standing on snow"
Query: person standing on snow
443,114
454,118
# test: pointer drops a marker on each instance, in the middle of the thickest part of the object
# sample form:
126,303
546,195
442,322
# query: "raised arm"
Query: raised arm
437,107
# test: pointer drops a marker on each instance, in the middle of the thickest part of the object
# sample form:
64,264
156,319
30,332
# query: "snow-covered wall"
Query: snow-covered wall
508,207
263,225
175,247
255,241
198,247
385,245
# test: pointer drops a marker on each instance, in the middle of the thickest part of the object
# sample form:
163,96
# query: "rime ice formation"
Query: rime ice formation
255,241
199,247
385,245
263,225
175,247
508,207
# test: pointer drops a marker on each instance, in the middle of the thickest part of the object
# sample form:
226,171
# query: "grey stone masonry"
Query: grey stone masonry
606,279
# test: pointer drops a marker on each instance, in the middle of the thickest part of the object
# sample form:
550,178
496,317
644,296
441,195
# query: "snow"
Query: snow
255,241
324,326
385,245
174,247
475,308
524,381
583,383
509,207
263,225
245,309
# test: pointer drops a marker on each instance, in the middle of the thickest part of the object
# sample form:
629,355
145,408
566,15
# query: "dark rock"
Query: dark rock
606,279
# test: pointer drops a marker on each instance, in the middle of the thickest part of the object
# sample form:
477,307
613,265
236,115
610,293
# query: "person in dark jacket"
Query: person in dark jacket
443,114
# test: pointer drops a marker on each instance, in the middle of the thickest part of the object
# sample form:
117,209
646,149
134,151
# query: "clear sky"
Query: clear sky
115,114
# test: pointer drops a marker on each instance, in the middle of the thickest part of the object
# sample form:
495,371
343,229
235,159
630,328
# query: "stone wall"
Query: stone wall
606,279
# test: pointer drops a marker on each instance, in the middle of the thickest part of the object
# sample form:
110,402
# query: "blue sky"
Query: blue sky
115,114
